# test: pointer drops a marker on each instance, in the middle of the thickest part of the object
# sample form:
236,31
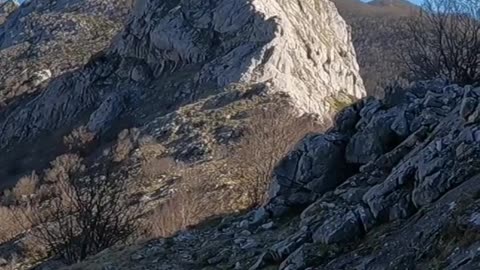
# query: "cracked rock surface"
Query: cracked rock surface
180,51
412,205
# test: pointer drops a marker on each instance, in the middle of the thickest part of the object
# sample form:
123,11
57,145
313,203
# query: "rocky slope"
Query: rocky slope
393,185
227,43
41,42
7,7
168,54
185,74
44,39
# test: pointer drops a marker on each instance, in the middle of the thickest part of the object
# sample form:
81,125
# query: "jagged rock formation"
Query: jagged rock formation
62,69
410,203
179,51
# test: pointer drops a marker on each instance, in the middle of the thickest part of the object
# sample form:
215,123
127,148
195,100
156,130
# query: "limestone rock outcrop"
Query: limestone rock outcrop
180,51
412,204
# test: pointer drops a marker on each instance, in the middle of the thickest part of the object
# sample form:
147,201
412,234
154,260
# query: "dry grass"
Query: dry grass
156,167
63,167
154,160
271,134
237,178
127,139
199,197
26,186
14,221
175,214
79,138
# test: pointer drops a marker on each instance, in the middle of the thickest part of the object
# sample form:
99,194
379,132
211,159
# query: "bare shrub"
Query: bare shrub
156,167
63,167
32,249
196,199
79,138
236,178
13,221
270,135
175,214
154,160
127,139
444,41
26,186
86,216
8,198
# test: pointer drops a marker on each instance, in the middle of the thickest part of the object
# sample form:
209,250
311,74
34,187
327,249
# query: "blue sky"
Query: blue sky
418,2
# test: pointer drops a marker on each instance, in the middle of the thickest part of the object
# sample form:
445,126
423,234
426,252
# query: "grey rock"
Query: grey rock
259,216
245,233
346,120
295,261
468,107
249,244
316,165
338,229
41,76
244,224
107,112
228,43
268,226
137,257
373,140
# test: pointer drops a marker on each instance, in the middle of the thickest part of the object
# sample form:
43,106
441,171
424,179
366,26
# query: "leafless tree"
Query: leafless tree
271,133
443,41
87,215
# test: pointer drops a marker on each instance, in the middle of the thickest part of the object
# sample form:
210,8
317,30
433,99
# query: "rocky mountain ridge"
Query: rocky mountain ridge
184,74
152,46
393,185
167,55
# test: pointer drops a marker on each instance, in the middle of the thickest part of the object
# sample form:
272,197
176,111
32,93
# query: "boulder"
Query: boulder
315,166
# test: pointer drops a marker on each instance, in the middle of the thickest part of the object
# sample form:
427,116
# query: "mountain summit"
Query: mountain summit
214,48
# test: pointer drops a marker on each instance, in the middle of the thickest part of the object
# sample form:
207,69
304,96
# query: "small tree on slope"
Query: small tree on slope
443,41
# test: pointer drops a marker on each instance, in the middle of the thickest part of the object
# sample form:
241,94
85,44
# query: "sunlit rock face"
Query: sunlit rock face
300,48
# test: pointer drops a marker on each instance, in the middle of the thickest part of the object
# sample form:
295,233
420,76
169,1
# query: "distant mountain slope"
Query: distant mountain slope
392,3
374,30
57,36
